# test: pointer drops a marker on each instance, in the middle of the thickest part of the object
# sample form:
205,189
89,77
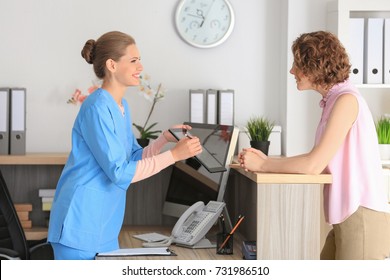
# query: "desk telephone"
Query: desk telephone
193,225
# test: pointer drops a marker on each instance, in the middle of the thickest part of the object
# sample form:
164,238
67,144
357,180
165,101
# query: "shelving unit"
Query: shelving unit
340,11
339,14
24,175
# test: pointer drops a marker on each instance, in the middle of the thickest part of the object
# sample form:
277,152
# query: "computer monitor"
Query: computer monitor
190,181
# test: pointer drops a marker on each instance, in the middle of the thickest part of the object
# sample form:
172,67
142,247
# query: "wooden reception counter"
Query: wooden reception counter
287,214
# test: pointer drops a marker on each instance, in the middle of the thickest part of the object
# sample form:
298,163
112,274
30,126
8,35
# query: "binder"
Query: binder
226,107
386,63
211,105
356,49
18,121
374,55
4,121
197,106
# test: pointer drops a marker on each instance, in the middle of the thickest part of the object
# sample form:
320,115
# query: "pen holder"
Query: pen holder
225,243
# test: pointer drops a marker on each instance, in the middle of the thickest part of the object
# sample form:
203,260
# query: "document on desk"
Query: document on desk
151,237
160,251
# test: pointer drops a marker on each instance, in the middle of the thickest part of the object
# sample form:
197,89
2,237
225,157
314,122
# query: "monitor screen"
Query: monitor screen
207,158
190,180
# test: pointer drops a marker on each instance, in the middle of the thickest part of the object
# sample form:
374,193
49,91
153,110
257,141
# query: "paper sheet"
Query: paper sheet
138,252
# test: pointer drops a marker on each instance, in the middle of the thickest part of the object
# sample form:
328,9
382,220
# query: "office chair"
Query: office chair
13,243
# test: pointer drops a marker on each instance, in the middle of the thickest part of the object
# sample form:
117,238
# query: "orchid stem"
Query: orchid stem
152,108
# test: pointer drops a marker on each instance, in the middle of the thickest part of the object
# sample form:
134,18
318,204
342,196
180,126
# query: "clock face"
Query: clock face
204,23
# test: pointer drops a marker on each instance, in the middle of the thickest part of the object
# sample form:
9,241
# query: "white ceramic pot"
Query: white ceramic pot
384,150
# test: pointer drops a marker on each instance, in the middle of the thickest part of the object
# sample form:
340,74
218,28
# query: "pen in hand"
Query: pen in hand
186,133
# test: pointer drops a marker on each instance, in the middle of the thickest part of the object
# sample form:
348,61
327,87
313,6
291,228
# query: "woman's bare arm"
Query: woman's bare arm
340,121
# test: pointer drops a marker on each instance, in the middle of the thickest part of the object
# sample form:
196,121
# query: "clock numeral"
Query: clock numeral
194,25
215,24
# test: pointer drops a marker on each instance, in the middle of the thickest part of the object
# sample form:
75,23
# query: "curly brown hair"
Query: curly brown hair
322,58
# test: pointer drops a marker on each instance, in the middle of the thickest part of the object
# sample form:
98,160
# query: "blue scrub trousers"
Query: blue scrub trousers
62,252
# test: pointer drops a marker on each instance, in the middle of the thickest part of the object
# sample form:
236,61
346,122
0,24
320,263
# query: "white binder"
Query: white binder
4,121
386,60
212,106
18,121
374,56
197,106
356,49
226,107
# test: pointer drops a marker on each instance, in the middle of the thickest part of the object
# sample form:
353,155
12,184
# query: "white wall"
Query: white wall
302,111
41,42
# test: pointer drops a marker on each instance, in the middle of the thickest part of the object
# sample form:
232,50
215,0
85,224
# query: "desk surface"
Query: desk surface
126,240
34,159
276,178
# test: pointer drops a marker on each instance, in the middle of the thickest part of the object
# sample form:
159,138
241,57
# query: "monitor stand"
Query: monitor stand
201,244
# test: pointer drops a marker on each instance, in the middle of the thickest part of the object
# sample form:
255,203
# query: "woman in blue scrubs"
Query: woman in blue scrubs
89,204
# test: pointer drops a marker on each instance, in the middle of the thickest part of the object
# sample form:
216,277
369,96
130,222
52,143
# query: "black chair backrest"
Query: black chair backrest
11,231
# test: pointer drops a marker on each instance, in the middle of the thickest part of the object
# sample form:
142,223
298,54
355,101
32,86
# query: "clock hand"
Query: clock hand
192,15
200,14
204,17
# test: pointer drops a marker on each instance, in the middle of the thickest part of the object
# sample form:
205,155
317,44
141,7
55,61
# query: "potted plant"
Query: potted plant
145,131
258,130
383,133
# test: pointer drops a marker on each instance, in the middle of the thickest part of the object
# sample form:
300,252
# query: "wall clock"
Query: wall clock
204,23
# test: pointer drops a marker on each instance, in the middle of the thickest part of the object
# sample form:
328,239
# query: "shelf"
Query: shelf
35,159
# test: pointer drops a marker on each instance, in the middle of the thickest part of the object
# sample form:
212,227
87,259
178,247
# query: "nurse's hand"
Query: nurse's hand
170,137
186,148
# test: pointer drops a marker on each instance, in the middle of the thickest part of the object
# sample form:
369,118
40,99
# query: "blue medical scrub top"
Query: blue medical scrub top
89,203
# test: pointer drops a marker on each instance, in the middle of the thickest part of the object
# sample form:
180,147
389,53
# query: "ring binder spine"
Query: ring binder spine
197,106
18,121
4,121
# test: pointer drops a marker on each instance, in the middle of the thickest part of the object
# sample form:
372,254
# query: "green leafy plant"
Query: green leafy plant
383,130
154,96
259,128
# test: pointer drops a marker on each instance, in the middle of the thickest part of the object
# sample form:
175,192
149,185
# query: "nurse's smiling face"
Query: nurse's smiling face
129,67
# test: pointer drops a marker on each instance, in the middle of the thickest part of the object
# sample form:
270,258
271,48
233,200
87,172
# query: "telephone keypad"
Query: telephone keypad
199,222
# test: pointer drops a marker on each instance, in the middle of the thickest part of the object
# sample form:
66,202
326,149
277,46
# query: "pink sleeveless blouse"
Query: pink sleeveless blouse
356,167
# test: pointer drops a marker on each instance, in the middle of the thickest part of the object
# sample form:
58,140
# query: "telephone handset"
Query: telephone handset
193,225
193,210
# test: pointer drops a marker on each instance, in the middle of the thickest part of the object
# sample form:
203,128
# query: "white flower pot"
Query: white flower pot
384,150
